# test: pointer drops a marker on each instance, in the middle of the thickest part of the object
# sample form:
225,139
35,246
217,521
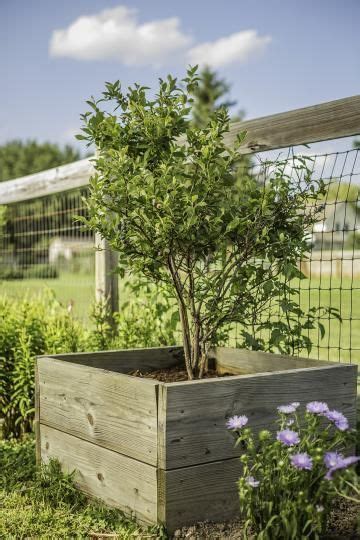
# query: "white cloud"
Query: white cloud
236,48
116,34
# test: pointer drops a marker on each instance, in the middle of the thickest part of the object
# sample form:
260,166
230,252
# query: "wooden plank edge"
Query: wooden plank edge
37,417
330,120
215,380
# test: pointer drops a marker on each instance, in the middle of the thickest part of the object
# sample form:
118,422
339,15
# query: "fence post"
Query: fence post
106,281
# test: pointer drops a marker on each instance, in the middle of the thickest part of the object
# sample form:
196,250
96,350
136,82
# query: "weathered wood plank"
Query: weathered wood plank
196,411
242,361
106,280
37,417
125,360
109,409
63,178
116,479
199,493
330,120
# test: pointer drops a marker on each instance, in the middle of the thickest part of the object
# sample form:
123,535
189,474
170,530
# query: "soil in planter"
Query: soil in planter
175,374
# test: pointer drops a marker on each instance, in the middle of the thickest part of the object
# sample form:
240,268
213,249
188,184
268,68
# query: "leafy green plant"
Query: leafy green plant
289,482
148,318
28,328
165,196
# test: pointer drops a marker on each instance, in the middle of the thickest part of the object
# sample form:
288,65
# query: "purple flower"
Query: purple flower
317,407
332,459
340,421
335,461
301,461
295,404
237,422
351,460
288,437
250,480
286,409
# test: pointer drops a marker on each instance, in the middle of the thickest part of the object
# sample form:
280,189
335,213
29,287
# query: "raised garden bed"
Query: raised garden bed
161,451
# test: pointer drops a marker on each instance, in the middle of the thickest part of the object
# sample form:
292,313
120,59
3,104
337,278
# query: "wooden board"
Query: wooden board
63,178
106,278
109,409
330,120
242,361
118,480
126,360
203,492
37,417
196,412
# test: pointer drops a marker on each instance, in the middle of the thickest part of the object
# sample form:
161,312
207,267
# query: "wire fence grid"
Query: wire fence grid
41,244
332,264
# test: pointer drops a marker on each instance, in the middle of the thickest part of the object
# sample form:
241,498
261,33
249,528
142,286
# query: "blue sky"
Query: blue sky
277,54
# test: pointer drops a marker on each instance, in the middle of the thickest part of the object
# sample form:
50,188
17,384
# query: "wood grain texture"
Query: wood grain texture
63,178
37,417
199,493
126,360
196,411
242,361
109,409
330,120
116,479
106,280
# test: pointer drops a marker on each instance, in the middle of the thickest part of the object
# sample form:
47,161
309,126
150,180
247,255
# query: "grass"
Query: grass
77,289
43,503
341,342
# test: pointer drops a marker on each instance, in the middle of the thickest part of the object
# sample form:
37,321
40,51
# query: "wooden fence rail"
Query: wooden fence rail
331,120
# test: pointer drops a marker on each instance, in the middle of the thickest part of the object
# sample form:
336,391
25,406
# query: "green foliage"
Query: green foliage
17,464
43,502
340,191
29,327
288,486
40,325
148,318
36,271
166,198
18,158
208,96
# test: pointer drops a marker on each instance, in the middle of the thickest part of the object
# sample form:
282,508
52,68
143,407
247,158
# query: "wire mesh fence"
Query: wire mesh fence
41,244
332,264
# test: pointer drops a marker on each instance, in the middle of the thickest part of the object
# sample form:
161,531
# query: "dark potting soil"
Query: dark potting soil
174,374
343,525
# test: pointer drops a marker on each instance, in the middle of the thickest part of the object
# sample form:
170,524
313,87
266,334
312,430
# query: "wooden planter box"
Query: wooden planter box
161,451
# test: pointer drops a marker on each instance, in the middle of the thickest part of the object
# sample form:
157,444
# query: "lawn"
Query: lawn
43,503
341,341
69,288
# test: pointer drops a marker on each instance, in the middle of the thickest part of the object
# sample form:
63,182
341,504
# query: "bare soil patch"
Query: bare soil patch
343,525
175,374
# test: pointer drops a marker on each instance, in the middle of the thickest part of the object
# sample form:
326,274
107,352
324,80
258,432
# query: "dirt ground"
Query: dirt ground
342,526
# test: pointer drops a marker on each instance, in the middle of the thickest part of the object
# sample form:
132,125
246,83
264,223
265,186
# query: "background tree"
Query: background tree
210,95
19,158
